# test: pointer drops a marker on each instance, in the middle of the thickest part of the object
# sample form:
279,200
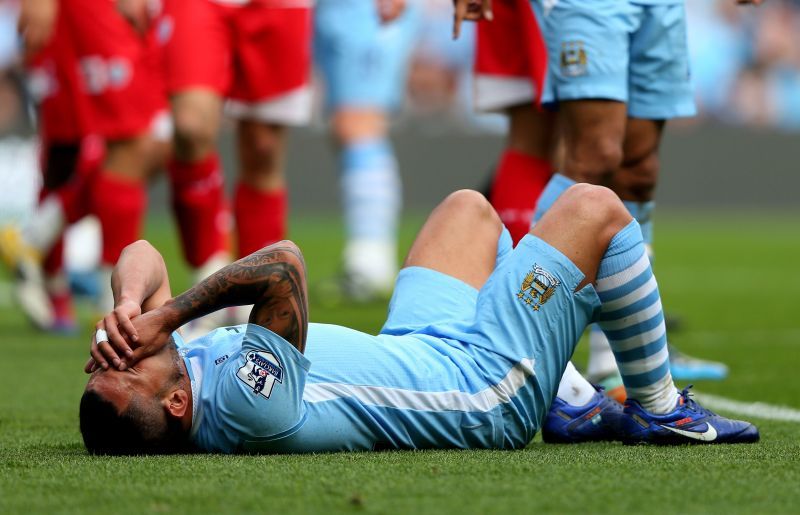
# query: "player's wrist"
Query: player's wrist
172,317
123,299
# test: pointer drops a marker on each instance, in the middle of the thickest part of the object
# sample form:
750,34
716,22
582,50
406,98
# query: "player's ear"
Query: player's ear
176,403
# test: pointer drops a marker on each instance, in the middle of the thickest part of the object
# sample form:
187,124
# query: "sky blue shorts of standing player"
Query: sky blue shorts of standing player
521,328
363,62
618,50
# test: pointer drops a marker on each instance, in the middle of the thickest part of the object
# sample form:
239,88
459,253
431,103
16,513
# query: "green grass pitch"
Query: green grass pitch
734,281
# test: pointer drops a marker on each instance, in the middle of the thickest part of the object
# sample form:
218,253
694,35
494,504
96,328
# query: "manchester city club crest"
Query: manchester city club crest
261,370
573,58
537,287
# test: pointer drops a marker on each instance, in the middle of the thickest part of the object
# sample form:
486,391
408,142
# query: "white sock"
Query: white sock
574,389
602,362
45,225
373,261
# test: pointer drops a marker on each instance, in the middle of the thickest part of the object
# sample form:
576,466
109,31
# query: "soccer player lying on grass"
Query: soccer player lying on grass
477,337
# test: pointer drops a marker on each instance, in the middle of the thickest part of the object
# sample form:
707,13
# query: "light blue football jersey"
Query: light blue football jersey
453,367
254,392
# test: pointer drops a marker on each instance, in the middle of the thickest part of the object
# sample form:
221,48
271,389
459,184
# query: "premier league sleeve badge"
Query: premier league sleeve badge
260,372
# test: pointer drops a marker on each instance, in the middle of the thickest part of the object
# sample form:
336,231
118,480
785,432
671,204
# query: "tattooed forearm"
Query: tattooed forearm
273,279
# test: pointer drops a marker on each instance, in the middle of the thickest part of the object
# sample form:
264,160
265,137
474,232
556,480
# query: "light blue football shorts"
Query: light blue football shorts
363,63
521,328
618,50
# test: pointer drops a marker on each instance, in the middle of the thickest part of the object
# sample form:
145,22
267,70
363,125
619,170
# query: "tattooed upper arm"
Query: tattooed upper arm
283,304
272,279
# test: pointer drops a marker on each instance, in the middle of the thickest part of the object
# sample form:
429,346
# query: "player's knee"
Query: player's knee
595,162
638,177
194,136
261,145
594,203
353,125
470,204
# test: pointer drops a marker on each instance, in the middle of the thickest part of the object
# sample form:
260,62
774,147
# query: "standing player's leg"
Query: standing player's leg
196,59
270,92
364,67
260,202
195,172
660,89
55,87
593,133
525,167
68,171
118,197
504,71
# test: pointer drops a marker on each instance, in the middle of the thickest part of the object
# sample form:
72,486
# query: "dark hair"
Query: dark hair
142,428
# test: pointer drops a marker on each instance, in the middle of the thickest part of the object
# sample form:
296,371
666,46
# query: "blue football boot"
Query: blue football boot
597,421
688,423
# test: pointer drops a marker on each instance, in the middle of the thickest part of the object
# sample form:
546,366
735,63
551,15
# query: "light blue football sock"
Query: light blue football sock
371,190
557,185
601,358
633,321
643,213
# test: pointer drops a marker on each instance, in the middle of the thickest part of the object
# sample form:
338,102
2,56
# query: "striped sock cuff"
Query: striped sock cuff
624,250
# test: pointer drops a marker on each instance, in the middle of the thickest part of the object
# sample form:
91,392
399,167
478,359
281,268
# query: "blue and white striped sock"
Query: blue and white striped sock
371,189
557,185
372,196
601,359
632,319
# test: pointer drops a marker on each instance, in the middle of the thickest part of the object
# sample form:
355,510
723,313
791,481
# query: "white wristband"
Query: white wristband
100,336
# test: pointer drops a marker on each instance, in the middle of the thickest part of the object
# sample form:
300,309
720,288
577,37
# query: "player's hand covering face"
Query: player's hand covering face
121,334
134,339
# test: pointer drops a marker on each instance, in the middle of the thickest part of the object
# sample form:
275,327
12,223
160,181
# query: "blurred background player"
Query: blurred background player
95,76
257,55
363,49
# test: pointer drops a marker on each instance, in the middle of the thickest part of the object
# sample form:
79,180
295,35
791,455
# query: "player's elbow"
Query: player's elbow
291,254
140,247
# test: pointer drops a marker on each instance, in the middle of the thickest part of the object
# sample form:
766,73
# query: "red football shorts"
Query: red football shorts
96,76
257,54
508,56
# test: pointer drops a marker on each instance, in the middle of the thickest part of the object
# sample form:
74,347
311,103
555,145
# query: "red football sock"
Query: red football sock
518,182
260,217
198,200
75,195
119,205
54,260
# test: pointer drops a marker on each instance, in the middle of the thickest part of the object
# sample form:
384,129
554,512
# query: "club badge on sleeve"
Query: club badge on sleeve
261,370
